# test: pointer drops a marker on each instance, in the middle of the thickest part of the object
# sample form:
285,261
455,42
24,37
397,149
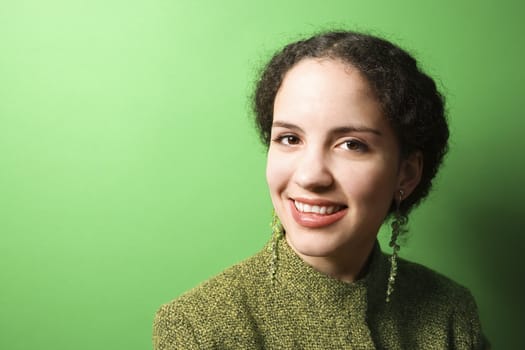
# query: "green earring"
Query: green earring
397,227
277,235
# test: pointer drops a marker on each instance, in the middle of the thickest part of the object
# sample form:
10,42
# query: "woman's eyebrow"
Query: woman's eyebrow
349,129
286,125
336,131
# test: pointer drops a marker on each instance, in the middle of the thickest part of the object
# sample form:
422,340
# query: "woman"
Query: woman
355,135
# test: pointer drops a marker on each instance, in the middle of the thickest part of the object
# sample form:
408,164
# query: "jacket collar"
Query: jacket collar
304,281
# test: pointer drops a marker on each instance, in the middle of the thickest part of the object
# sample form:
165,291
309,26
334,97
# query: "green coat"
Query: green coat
300,308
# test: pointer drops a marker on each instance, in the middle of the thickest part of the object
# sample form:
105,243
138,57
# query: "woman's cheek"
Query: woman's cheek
278,170
370,182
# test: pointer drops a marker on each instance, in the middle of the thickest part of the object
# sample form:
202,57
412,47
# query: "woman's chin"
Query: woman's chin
312,246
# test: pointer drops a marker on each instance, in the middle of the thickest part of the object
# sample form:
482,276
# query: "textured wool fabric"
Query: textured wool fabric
243,308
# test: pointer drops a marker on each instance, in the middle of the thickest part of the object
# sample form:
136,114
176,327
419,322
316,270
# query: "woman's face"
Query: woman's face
333,163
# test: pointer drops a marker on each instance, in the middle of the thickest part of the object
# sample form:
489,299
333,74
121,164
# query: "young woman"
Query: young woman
355,133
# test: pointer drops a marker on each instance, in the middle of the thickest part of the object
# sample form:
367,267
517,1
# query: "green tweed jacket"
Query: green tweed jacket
300,308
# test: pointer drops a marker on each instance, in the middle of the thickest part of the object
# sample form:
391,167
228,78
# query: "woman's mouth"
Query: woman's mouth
317,209
316,214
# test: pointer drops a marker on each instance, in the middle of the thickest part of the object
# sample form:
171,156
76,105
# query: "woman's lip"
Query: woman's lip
314,220
320,202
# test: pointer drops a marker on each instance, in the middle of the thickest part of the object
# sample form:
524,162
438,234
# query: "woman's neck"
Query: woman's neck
348,264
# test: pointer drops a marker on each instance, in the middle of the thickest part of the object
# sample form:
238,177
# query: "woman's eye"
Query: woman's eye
354,145
288,140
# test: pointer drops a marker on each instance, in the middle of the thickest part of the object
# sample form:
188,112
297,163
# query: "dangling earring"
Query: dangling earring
397,227
277,234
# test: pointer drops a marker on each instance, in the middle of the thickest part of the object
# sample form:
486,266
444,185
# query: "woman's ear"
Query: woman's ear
410,172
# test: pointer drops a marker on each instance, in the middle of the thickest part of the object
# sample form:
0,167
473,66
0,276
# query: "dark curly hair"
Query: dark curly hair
408,96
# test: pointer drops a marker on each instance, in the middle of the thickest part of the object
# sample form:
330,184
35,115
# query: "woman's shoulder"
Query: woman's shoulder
229,284
425,292
206,310
429,305
418,280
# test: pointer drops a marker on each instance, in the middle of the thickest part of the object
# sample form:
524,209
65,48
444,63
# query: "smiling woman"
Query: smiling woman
355,135
344,155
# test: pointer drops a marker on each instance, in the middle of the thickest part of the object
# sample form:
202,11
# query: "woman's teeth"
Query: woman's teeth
317,209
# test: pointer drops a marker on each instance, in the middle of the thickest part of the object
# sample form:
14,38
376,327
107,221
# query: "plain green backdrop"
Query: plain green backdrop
130,171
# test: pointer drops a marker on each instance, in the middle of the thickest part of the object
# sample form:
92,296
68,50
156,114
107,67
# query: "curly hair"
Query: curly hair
409,97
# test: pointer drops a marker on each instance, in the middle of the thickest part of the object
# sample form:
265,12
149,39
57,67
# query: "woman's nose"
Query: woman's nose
312,171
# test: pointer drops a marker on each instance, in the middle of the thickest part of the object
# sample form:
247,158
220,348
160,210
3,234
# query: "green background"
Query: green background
130,171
